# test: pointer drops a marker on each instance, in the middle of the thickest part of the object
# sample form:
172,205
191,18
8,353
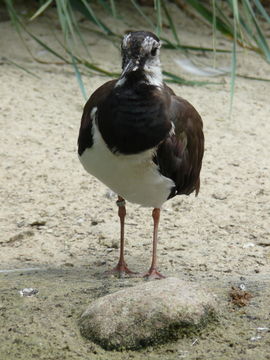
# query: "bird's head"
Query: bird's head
140,52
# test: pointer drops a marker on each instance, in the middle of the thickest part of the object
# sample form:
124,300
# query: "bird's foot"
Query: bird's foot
121,270
153,274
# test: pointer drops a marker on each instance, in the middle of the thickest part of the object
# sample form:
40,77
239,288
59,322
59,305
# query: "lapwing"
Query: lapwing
141,140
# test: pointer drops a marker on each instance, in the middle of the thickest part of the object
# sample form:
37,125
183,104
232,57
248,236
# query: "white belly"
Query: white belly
134,177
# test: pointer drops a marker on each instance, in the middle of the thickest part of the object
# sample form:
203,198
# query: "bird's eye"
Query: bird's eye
154,51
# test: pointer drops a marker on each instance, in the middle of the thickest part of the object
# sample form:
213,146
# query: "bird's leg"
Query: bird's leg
121,268
152,272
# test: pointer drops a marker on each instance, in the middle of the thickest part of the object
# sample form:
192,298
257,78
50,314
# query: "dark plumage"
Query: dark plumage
151,138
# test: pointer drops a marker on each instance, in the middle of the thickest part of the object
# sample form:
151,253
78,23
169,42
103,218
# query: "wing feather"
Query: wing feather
85,136
180,155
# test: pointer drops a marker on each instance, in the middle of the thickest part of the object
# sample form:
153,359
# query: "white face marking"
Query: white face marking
153,74
148,43
152,67
134,177
126,40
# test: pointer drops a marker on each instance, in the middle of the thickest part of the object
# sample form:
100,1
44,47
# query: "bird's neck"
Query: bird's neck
153,75
149,75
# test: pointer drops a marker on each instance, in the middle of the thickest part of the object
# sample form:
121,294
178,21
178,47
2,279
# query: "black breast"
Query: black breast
133,119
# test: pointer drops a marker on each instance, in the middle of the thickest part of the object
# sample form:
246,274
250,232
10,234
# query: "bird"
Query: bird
140,139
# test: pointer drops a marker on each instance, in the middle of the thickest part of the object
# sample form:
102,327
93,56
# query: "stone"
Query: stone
146,314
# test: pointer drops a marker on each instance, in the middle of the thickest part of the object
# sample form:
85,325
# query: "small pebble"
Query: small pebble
28,292
242,287
219,196
37,223
263,329
255,338
20,223
110,194
248,245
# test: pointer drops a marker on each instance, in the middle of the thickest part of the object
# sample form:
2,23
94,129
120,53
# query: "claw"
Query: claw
122,271
153,274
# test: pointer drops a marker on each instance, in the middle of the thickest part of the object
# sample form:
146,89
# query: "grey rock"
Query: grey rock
146,314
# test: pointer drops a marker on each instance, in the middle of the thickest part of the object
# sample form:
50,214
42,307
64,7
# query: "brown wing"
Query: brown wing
180,155
85,137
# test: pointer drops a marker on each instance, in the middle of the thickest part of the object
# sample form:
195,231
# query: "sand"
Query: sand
57,218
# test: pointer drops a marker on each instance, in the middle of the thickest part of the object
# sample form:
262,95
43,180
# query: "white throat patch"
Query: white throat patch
153,73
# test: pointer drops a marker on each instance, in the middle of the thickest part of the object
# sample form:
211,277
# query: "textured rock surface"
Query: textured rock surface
149,313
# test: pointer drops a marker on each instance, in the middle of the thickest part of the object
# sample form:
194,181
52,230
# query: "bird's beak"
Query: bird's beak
132,65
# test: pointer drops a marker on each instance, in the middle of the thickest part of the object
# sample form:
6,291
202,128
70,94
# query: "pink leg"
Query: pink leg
152,272
121,268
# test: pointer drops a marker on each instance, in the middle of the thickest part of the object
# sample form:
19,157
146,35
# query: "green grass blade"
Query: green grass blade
20,67
234,5
77,30
167,44
113,8
262,10
159,17
257,36
221,14
140,11
84,8
214,36
96,20
253,78
208,16
45,46
105,5
96,68
171,23
86,47
41,9
172,78
233,67
64,19
79,77
13,16
68,22
19,25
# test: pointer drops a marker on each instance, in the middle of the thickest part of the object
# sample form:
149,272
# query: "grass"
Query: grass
238,21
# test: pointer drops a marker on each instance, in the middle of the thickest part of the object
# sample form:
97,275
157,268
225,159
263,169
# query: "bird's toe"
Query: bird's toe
153,274
121,271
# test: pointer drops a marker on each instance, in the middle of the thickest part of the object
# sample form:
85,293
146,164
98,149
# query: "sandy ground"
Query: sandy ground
58,219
